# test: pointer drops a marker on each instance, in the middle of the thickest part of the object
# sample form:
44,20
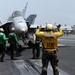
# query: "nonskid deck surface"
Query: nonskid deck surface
25,67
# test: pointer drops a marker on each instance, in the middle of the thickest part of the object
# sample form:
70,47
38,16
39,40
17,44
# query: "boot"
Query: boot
2,60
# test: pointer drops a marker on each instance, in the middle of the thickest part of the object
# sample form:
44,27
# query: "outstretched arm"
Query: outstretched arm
39,33
60,32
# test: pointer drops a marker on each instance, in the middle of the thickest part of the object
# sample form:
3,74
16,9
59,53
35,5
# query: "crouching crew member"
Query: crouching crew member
13,41
49,47
3,40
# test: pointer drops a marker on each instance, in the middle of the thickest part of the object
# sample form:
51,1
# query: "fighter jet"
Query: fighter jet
20,23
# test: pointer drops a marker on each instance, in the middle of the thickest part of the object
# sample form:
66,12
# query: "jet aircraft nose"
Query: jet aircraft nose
23,29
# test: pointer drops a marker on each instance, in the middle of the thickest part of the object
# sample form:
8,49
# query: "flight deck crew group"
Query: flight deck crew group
49,46
12,40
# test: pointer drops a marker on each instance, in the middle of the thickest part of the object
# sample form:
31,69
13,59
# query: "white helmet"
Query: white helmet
49,27
12,29
1,29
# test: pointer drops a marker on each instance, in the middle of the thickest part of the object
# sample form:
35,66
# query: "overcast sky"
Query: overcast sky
50,11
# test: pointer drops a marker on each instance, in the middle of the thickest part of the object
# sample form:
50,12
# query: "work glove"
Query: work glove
58,27
38,27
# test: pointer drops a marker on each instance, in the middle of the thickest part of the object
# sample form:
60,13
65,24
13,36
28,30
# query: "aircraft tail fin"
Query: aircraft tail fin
31,19
24,10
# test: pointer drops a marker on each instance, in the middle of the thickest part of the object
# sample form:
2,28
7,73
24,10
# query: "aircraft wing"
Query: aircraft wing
31,19
6,27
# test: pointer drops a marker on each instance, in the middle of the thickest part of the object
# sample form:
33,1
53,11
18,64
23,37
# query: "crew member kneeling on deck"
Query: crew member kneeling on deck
3,40
49,47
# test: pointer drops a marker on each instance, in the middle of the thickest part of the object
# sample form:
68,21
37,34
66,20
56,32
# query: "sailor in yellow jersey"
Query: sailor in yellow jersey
49,47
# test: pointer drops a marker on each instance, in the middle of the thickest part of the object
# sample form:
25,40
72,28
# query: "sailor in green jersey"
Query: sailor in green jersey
3,40
13,41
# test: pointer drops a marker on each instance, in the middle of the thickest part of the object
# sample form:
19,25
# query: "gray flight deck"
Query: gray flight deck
27,66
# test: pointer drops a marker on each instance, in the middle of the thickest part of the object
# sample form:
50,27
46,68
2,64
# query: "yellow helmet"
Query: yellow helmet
1,29
49,27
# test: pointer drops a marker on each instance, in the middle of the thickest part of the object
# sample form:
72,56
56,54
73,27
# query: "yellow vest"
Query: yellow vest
49,39
49,42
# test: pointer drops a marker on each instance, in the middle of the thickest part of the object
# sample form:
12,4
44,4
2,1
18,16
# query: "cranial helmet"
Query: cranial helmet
1,29
49,27
12,29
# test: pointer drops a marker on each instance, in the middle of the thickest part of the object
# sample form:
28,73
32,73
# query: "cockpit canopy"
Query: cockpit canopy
16,14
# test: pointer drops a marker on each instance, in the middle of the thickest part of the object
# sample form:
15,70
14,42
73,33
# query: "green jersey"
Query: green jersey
13,38
3,38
